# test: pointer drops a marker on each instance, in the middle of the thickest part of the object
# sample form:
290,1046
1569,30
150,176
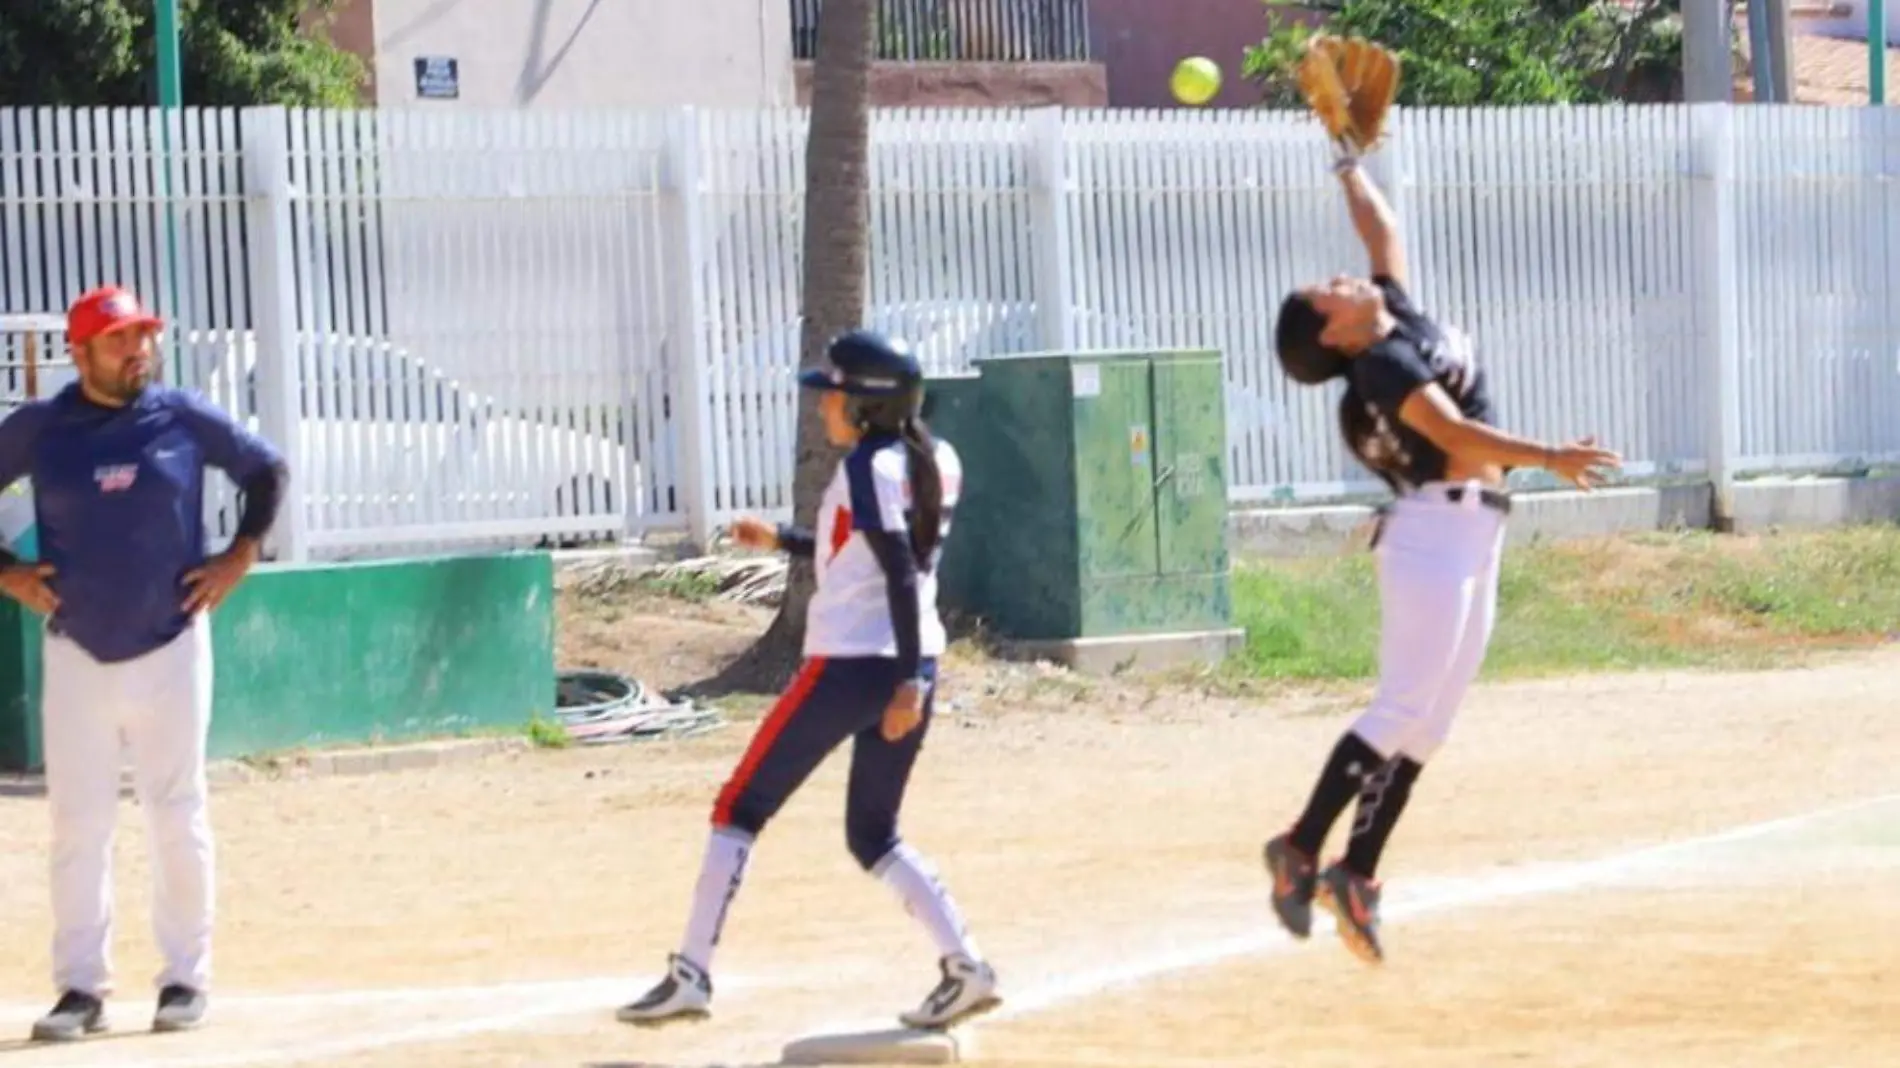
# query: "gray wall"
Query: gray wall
588,53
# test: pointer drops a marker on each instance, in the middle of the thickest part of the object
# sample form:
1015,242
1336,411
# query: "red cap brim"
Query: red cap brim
127,323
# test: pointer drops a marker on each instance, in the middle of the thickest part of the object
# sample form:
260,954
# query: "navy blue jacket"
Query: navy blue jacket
118,497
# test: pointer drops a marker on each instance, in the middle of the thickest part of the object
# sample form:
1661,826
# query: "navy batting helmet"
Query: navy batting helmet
865,363
1303,356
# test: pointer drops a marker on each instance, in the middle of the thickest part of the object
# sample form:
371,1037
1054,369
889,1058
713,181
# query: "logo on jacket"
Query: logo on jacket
113,478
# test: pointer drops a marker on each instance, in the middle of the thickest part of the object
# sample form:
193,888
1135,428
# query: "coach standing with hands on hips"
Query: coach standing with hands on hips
117,465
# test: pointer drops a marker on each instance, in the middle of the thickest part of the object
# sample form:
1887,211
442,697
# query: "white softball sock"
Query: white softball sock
720,873
914,880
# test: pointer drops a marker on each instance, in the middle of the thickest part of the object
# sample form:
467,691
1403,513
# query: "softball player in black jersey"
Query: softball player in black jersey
1417,411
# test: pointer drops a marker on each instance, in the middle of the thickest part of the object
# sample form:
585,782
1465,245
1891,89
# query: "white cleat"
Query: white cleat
685,992
968,987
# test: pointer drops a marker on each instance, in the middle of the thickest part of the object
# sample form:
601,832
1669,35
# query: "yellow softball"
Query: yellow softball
1196,80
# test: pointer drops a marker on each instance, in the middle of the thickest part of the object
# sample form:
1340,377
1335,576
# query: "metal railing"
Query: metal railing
28,344
996,31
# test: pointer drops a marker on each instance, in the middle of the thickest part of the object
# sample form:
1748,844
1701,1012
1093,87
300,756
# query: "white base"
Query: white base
894,1046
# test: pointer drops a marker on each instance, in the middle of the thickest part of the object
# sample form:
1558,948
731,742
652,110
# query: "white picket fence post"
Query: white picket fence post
1053,288
1717,298
275,346
1885,124
686,310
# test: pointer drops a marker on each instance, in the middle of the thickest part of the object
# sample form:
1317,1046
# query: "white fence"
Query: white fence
478,328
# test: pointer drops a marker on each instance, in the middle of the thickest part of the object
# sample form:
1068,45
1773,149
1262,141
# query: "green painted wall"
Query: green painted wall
19,687
329,654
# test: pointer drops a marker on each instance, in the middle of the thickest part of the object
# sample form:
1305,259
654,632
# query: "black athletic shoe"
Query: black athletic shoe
180,1008
1294,877
1353,900
75,1016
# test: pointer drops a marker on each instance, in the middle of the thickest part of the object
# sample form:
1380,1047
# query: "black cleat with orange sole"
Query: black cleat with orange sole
1293,875
1353,900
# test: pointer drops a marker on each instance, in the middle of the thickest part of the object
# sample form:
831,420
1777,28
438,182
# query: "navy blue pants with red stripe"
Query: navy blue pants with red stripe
831,701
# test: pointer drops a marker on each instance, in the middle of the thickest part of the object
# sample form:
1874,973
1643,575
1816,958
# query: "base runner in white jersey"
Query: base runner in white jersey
1416,411
872,639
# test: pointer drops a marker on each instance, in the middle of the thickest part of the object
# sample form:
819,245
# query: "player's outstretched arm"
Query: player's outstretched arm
756,533
1350,84
1431,411
1374,219
795,540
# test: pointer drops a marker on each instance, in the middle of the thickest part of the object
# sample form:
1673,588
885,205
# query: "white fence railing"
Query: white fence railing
513,327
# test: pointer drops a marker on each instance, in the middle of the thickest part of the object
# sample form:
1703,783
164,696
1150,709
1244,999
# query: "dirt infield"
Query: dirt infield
495,914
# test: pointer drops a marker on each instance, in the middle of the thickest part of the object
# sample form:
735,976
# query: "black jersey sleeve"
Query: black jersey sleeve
796,541
893,552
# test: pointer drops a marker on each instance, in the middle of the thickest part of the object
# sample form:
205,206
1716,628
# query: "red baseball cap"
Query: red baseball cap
104,310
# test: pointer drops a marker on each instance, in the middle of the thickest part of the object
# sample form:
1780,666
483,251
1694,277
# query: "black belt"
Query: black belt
1497,500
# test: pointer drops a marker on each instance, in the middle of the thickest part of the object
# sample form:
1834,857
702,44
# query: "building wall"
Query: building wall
578,53
1843,19
351,26
978,85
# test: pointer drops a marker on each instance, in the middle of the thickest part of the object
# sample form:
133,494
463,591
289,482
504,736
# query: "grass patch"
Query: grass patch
695,587
546,732
1688,599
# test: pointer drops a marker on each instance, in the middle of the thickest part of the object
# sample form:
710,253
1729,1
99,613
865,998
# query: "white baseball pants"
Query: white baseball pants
1438,598
157,707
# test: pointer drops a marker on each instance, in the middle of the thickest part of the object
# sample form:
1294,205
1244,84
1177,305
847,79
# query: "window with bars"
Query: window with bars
994,31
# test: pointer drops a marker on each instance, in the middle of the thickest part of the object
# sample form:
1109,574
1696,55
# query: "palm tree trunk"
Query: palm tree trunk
837,246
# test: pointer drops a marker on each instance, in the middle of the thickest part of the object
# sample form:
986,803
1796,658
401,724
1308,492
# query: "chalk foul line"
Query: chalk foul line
1485,889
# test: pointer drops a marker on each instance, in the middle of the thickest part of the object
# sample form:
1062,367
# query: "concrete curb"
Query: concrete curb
368,760
318,763
1761,505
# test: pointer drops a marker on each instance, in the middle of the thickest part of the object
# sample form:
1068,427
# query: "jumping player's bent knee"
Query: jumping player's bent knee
1423,745
1385,726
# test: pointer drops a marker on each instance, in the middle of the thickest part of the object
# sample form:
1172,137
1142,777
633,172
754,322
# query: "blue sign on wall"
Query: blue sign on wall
438,78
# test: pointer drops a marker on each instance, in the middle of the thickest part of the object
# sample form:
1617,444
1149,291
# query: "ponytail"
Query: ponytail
926,485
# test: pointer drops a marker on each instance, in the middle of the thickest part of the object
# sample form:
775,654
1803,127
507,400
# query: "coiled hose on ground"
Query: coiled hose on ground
602,707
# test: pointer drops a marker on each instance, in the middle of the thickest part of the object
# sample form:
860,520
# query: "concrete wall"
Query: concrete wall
1760,505
582,53
327,655
351,26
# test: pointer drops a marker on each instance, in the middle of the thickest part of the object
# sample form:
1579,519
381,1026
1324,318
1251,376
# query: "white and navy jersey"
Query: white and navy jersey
1417,352
118,496
850,612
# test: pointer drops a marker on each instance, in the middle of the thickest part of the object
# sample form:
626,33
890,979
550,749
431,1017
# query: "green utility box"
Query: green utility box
1093,521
